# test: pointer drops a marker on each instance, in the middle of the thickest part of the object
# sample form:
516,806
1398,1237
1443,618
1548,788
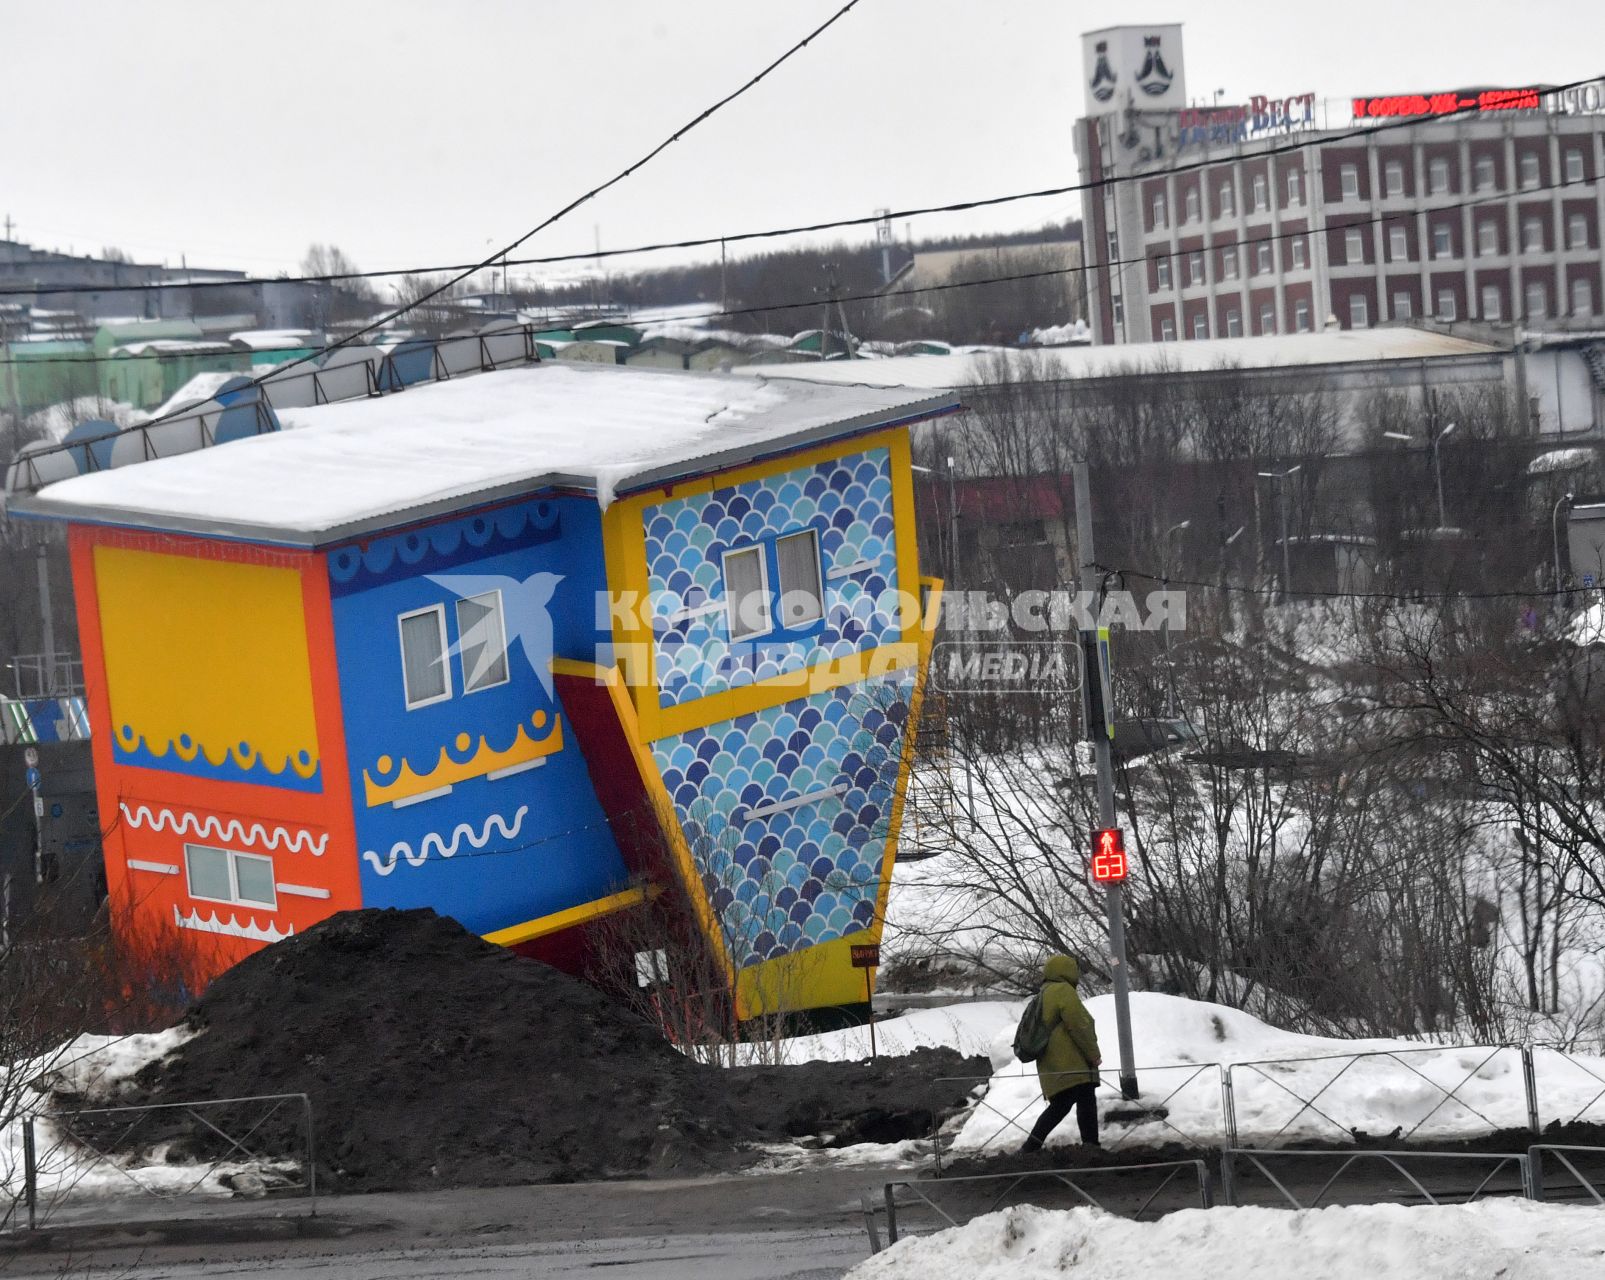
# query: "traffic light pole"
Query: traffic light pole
1091,583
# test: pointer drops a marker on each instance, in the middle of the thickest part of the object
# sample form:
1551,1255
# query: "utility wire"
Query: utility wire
1243,241
703,242
1403,597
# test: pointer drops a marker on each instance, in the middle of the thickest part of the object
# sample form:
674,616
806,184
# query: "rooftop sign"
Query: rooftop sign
1441,104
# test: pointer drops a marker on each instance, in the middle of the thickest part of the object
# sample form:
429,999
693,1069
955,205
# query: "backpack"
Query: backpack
1031,1036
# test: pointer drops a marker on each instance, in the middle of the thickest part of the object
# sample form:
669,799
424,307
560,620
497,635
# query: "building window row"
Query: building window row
1264,263
1484,174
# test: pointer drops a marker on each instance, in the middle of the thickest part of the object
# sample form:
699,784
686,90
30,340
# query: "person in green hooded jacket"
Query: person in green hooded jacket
1068,1068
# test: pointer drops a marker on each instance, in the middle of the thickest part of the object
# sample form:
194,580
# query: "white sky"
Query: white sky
419,131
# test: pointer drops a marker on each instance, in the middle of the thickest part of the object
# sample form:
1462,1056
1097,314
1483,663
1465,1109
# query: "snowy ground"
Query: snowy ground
1514,1240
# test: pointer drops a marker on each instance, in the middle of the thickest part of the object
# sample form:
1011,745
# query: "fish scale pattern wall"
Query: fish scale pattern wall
848,500
804,875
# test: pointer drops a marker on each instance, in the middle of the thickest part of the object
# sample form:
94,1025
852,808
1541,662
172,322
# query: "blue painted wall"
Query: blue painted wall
492,853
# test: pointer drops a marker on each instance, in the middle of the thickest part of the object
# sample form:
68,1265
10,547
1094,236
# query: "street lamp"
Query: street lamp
1170,669
1437,465
1554,528
1281,505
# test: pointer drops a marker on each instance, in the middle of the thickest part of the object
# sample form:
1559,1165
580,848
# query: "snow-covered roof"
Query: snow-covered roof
1272,351
1560,460
344,469
273,339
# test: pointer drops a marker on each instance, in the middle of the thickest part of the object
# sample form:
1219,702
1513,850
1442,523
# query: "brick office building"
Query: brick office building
1493,215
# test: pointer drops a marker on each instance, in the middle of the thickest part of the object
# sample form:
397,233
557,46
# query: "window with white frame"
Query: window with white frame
1359,311
425,673
1443,241
482,641
746,593
1263,264
1482,173
1195,268
1582,296
1113,240
1527,170
1353,245
1228,263
1119,306
802,585
1300,260
228,876
1574,166
1447,310
1191,205
1262,193
1267,317
1532,235
1487,238
1167,329
1228,199
1491,302
1398,243
1295,186
1162,273
1301,316
1349,181
1577,231
1234,324
1536,296
1200,325
1393,178
1159,209
1438,176
1401,304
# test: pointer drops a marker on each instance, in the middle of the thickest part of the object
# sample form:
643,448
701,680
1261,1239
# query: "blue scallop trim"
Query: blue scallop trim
359,566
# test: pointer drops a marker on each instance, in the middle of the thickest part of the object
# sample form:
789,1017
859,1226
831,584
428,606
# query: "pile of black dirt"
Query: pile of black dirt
433,1058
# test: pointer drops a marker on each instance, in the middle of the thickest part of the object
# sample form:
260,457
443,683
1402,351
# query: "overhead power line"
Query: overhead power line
1402,597
738,237
1242,241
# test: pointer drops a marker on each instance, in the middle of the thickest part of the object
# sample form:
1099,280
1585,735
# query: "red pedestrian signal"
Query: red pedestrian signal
1108,856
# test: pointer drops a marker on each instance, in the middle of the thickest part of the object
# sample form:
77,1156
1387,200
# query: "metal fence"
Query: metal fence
1589,1185
1400,1162
175,1152
1560,1079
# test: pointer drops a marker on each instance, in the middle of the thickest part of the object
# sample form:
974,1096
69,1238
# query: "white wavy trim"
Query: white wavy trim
233,831
231,927
384,865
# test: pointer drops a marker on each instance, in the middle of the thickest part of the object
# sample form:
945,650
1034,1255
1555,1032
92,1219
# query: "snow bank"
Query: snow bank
969,1028
1515,1240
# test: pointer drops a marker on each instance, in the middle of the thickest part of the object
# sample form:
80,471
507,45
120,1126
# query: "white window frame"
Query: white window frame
819,578
1353,246
1484,176
1113,246
1263,263
1447,310
1295,187
1359,311
1167,329
1228,199
1200,325
1228,263
1439,180
1443,240
1539,289
1576,222
1190,205
1301,316
1531,243
1402,307
1574,165
1159,209
1267,317
1487,238
234,856
1529,170
1582,288
1118,306
439,610
1234,323
1497,311
501,631
1262,193
1196,273
1162,272
1393,179
765,594
1349,181
1299,259
1398,243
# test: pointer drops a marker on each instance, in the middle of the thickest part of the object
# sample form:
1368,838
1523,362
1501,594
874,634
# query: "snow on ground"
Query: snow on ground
969,1028
1512,1239
92,1067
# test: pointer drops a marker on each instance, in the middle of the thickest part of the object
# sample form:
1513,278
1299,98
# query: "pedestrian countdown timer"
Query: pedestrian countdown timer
1108,856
